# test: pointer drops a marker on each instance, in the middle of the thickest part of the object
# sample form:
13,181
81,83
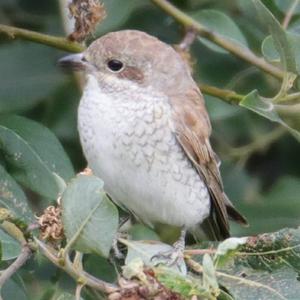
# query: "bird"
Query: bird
145,131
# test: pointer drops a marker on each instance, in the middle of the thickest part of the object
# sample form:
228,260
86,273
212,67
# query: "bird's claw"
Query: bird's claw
173,256
170,258
117,253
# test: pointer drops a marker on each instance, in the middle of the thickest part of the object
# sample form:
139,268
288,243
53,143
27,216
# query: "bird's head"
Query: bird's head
131,57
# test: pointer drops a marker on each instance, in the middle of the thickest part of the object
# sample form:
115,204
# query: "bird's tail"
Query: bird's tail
210,229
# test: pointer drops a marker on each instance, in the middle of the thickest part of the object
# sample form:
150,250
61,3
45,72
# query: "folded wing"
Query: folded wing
193,129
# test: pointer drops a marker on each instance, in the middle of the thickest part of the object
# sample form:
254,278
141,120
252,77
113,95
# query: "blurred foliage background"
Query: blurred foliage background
260,161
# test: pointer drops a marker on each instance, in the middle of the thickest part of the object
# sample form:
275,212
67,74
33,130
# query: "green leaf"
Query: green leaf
48,292
34,155
269,51
149,252
12,290
282,44
285,5
279,285
120,12
145,250
279,37
265,108
13,198
9,246
272,55
141,232
134,269
90,219
220,111
29,75
273,209
294,27
209,275
100,267
267,267
66,296
261,106
227,249
220,23
272,251
184,285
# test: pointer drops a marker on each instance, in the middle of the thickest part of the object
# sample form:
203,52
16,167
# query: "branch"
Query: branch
192,252
261,143
187,40
78,291
196,267
66,45
290,97
26,251
289,109
15,232
217,39
79,275
289,14
45,39
16,265
225,95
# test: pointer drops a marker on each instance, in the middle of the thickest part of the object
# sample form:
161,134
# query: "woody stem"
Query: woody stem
49,40
217,39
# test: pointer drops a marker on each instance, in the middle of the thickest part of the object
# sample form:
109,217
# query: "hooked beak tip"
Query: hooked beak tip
73,62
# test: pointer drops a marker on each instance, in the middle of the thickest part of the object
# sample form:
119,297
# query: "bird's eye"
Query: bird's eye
115,65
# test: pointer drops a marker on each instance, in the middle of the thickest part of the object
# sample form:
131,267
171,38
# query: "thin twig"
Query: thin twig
217,39
16,265
188,40
194,265
64,44
45,39
199,269
270,252
191,252
260,144
289,14
223,94
292,109
78,291
33,226
14,231
248,282
79,275
290,97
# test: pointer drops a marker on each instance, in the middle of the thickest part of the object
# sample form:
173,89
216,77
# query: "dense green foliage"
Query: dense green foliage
257,139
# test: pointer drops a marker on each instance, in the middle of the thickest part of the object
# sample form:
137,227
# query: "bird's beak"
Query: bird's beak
74,62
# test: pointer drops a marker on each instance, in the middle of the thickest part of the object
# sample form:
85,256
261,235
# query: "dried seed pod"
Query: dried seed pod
87,14
51,226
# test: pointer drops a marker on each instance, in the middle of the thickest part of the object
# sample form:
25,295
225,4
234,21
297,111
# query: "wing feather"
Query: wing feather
193,129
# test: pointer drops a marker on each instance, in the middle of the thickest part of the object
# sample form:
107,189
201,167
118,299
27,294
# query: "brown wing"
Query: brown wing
193,129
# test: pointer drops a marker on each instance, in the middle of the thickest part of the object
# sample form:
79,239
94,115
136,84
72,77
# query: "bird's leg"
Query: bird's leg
175,254
121,233
179,245
115,248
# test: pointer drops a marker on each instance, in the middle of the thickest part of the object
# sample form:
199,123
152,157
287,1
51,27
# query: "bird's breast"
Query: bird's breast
134,127
129,142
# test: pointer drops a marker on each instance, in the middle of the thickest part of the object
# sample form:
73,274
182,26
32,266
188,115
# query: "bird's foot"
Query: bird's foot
170,258
115,248
173,256
122,233
87,172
